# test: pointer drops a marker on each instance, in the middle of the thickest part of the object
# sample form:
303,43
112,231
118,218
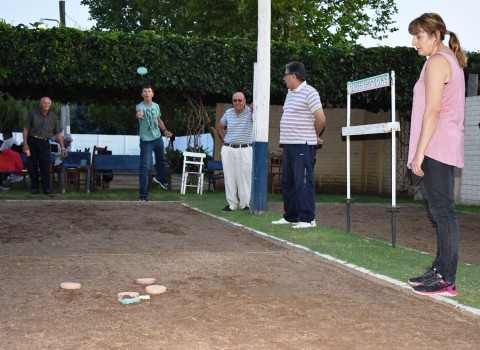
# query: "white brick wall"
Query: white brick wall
470,181
125,144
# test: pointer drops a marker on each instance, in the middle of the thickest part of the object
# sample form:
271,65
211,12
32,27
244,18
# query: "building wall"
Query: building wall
470,174
370,155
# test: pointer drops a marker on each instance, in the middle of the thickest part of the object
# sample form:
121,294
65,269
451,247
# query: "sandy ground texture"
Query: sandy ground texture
226,287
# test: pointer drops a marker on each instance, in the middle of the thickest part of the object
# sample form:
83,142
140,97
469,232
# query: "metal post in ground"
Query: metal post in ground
394,226
348,201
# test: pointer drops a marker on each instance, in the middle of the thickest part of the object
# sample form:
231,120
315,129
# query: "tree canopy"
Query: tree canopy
326,22
84,66
79,67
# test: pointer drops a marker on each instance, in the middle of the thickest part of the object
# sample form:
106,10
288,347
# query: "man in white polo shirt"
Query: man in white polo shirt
302,122
236,132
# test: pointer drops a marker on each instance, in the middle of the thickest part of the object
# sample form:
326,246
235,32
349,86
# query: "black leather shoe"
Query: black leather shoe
48,193
35,191
227,208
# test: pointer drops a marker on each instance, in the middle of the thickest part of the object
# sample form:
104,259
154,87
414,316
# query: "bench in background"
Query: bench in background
214,172
122,165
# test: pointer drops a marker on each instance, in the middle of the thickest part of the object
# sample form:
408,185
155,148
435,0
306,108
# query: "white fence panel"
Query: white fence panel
127,144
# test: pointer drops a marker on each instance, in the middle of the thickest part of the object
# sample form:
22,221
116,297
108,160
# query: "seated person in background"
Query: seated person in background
56,149
10,161
8,140
67,142
2,176
8,143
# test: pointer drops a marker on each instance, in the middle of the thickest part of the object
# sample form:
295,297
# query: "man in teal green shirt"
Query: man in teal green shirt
150,129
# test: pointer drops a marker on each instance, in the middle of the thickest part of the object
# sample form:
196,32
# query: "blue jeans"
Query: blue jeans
298,183
439,181
146,149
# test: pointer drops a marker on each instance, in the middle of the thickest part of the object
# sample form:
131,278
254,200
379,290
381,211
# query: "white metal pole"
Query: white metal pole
348,147
255,99
394,152
65,119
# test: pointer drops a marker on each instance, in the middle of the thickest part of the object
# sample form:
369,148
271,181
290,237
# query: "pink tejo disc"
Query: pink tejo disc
70,285
146,280
156,289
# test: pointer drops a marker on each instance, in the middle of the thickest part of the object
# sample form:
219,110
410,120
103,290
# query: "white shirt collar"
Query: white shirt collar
300,87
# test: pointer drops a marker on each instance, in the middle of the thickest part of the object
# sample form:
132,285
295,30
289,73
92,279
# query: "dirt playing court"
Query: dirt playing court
226,287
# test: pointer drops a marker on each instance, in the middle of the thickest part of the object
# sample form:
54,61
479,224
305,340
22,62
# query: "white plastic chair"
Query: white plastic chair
193,165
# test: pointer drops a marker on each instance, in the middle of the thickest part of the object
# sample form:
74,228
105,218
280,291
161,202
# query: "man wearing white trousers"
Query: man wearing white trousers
236,132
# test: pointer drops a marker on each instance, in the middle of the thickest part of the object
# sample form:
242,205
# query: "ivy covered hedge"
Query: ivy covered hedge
89,66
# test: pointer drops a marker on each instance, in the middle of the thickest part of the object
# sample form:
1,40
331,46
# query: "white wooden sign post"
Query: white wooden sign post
372,83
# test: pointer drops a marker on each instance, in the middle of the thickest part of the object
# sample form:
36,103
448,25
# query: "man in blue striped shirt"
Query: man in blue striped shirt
302,122
236,132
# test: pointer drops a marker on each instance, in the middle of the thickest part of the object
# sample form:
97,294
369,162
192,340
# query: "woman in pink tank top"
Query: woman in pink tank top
437,143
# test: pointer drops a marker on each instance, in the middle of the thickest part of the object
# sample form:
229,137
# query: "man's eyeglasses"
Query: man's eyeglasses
237,101
285,74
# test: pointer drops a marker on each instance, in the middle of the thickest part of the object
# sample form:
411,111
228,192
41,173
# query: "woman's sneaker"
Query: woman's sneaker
437,286
425,278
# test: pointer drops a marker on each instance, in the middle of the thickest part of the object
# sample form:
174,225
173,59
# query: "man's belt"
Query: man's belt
40,138
238,145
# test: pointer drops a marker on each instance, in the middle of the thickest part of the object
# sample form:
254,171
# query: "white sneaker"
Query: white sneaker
305,224
4,188
282,221
15,178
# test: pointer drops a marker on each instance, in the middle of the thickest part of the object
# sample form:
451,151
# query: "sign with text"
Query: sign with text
367,84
